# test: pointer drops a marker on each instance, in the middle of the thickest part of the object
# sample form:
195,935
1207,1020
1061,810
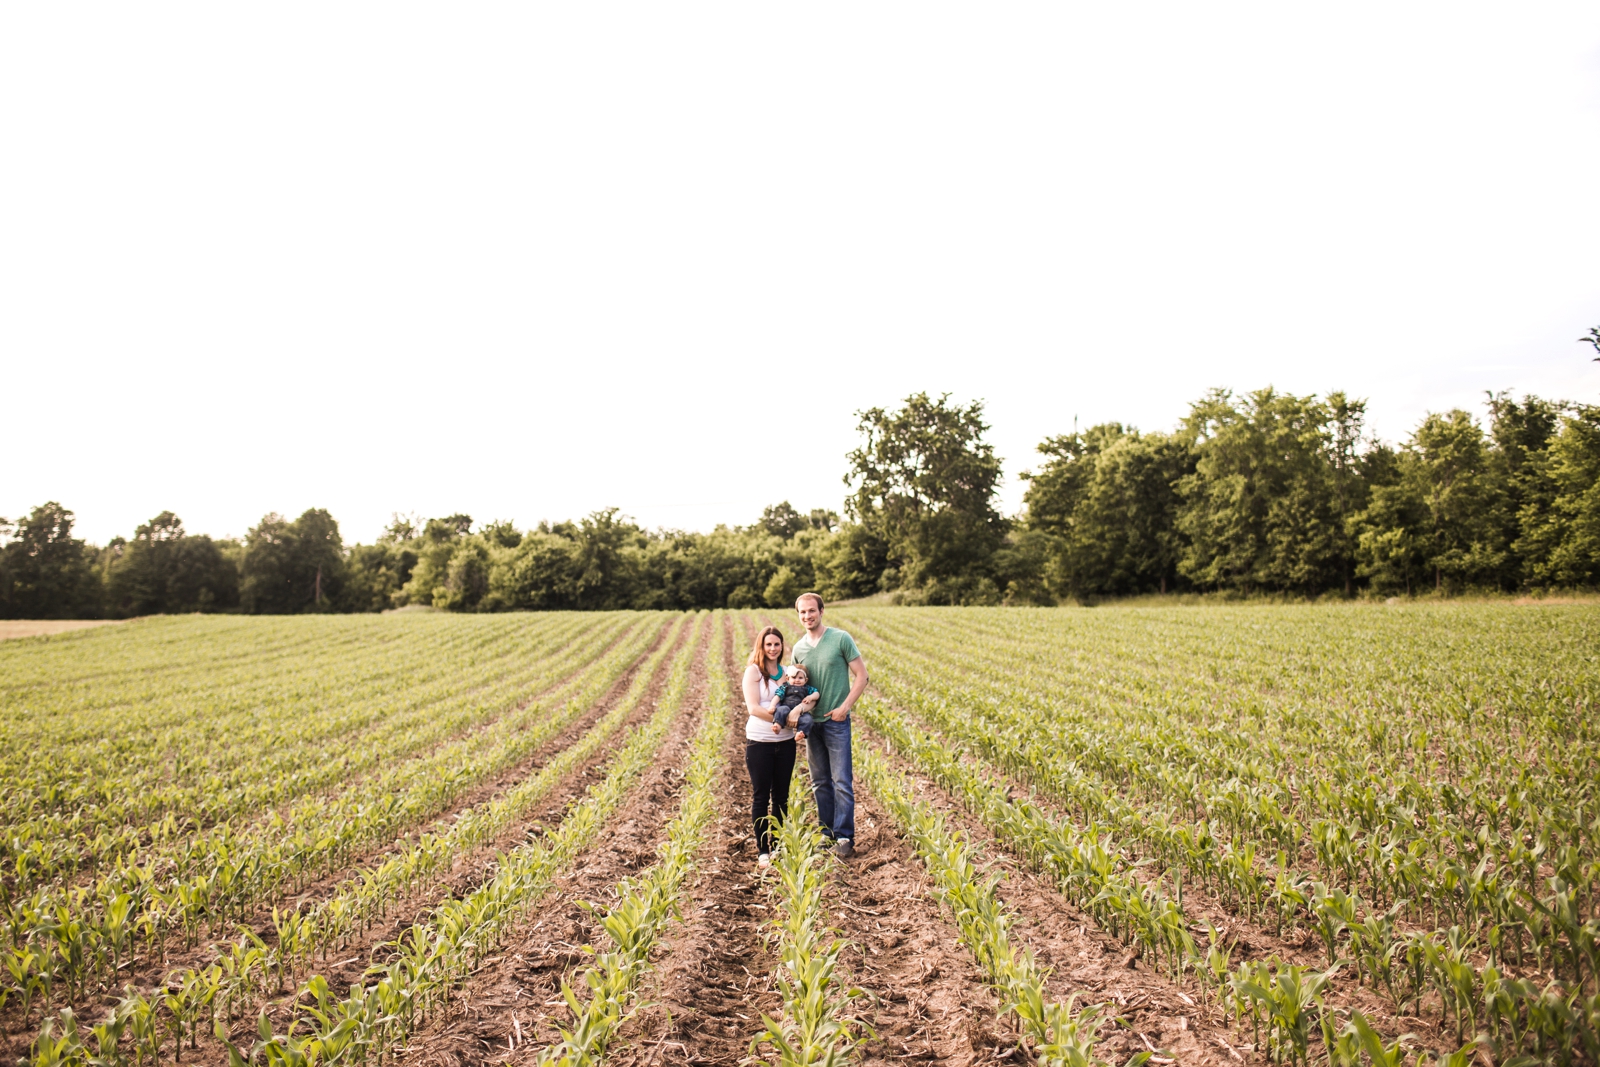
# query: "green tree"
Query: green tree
823,519
45,572
1348,477
290,567
1022,566
1450,467
923,482
1258,512
374,575
782,520
1106,503
540,574
1390,549
783,588
1562,541
605,571
164,570
1437,515
501,533
466,581
428,582
1525,489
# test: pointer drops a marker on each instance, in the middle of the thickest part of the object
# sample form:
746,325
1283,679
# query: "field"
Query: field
1209,835
10,628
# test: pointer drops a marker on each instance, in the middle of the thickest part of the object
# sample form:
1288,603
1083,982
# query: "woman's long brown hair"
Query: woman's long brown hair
758,655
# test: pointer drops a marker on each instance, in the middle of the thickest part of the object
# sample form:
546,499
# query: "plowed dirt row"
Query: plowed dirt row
350,959
1159,1014
932,1004
511,1006
1251,941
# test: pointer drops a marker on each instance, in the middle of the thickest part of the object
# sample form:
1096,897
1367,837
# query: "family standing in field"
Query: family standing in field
810,700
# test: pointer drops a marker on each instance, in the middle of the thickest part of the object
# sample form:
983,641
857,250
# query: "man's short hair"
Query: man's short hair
808,596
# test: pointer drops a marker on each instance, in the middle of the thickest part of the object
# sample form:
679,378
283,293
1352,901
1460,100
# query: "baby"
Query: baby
790,695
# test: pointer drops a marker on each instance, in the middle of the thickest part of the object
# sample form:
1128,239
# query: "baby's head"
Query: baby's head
797,675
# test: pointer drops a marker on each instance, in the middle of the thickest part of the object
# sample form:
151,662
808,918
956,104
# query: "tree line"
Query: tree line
1264,493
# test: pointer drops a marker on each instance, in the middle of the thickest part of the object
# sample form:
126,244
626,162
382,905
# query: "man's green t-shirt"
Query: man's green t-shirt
827,663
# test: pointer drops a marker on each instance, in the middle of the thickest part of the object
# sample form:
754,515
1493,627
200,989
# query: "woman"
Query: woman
768,754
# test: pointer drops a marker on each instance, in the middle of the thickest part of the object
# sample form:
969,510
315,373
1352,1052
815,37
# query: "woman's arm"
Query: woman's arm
752,694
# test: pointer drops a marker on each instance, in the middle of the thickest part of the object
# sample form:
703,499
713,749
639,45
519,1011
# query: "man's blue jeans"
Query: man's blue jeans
832,777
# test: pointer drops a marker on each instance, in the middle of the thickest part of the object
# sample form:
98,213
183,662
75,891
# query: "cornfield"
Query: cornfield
1321,834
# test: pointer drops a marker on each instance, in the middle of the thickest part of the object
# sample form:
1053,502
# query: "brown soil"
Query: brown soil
351,958
512,1005
1251,941
10,628
932,1003
1159,1014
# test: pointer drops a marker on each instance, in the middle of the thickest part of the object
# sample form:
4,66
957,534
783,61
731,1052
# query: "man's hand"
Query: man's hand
839,714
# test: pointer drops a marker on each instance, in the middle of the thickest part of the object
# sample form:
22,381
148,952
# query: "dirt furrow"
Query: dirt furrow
1155,1012
932,1003
1249,940
511,1005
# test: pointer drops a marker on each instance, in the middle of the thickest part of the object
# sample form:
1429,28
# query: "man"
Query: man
839,674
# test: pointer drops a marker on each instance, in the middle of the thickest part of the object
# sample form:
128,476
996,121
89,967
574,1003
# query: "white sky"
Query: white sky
526,261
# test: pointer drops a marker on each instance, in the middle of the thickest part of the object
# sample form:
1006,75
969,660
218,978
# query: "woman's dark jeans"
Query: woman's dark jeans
771,765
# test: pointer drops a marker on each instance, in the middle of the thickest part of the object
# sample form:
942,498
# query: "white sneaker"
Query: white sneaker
764,860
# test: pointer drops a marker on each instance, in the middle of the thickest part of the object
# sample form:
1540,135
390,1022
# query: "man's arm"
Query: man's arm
858,685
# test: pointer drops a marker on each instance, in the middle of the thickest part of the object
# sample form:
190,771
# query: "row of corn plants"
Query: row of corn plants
427,961
816,1027
365,897
1463,851
1283,1002
1427,699
1189,697
261,741
465,717
63,939
645,904
1514,1015
1056,1034
1087,867
250,969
